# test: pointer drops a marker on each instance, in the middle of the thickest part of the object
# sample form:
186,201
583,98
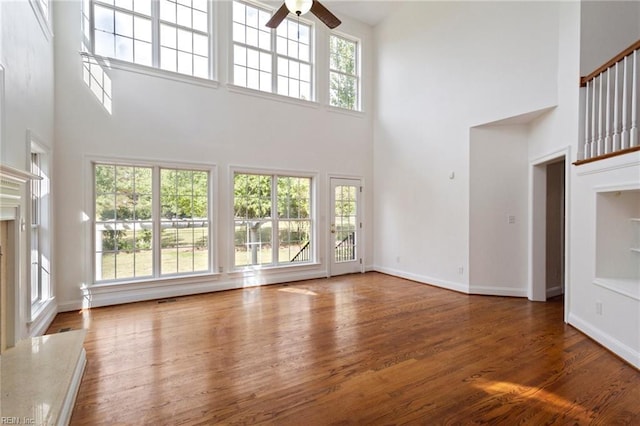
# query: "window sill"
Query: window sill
345,111
629,287
153,282
273,96
270,269
118,64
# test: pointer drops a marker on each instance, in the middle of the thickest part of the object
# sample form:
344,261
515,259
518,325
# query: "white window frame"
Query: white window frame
156,219
42,11
274,54
275,264
88,23
41,280
358,67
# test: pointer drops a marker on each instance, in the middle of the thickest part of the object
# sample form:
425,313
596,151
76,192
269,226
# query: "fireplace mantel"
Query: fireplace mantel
12,183
14,312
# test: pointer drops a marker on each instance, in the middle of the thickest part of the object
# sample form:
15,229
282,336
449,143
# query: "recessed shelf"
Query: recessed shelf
618,241
626,287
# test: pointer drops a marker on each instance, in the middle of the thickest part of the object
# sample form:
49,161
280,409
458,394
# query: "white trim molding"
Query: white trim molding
614,345
423,279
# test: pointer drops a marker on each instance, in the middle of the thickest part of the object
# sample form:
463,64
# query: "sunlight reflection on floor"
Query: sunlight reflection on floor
551,401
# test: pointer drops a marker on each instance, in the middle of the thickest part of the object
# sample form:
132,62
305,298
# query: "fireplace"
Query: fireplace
13,257
5,254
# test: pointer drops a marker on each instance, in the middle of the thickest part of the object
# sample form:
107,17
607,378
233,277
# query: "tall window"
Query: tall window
169,34
140,233
271,61
184,223
272,219
40,264
343,73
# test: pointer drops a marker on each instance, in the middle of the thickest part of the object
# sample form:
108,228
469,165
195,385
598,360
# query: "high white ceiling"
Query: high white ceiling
368,11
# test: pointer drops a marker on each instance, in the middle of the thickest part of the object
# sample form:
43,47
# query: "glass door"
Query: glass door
345,227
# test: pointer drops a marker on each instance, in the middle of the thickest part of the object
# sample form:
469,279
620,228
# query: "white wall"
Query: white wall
609,314
617,324
498,189
157,119
608,27
26,55
442,68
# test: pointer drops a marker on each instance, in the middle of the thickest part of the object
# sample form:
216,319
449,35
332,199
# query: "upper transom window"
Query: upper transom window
271,61
343,73
169,34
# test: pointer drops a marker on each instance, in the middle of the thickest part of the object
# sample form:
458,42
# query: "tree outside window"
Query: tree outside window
272,219
343,73
126,226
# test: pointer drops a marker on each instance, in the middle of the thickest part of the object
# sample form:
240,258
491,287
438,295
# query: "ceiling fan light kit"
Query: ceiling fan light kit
300,7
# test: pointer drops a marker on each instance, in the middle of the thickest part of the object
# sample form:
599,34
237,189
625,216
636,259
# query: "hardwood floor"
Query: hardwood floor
359,349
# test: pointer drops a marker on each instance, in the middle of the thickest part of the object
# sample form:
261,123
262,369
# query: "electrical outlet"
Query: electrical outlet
460,270
598,308
397,259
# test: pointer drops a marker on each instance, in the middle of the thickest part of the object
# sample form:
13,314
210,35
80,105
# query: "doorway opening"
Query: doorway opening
548,270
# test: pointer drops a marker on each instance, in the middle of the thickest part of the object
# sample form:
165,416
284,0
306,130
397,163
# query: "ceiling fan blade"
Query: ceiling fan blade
278,17
323,14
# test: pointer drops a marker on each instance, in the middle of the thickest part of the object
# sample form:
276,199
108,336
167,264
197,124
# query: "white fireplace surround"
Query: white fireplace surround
17,321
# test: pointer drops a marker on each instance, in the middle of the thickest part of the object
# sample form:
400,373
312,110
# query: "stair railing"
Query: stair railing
304,254
611,107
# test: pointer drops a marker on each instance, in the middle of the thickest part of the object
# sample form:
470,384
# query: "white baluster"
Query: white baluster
594,94
624,134
633,134
607,135
600,146
616,109
587,139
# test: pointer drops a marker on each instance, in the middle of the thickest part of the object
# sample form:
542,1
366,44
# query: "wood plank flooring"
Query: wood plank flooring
359,349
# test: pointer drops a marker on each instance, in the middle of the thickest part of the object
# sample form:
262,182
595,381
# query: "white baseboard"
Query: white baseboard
497,291
625,352
449,285
554,291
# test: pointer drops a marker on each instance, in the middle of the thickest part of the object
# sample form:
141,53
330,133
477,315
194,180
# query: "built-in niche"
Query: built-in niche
618,241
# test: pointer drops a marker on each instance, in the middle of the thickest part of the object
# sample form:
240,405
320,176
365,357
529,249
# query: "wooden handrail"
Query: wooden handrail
608,155
584,80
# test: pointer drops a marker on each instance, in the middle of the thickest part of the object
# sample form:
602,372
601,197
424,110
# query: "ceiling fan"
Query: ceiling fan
300,7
